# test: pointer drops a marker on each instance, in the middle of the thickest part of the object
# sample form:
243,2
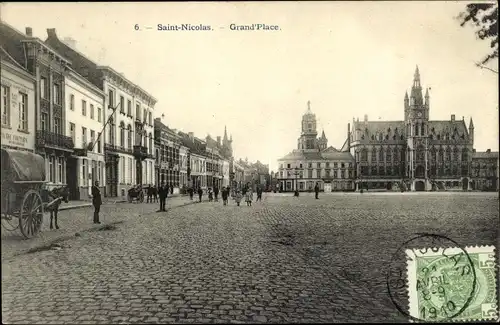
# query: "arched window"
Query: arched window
111,131
465,154
122,134
416,128
448,154
381,155
455,154
420,153
388,155
422,129
129,136
432,155
374,155
364,155
441,155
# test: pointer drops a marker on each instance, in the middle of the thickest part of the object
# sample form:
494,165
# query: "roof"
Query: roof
5,57
450,127
11,42
376,127
22,166
194,144
485,155
323,155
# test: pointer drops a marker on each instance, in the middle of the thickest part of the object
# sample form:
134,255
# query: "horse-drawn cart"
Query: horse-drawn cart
137,193
22,177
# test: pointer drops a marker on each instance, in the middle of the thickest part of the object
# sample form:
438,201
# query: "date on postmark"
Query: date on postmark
452,284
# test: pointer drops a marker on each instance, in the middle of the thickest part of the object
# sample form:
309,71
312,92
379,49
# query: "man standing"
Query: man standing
96,201
259,193
216,193
316,190
162,193
200,193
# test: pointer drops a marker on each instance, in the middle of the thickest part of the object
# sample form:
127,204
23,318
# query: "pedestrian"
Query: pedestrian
171,188
238,197
191,193
316,190
210,195
249,197
216,193
162,193
150,194
259,194
225,193
96,201
200,193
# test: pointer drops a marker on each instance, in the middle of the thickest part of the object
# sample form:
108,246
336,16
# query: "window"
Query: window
310,165
129,137
44,121
52,171
23,112
72,131
91,111
381,155
122,134
5,105
72,102
122,105
318,165
84,108
111,99
84,137
129,107
389,155
364,155
99,172
84,171
123,171
145,115
43,87
327,164
57,94
99,142
57,125
150,119
138,111
99,114
94,171
92,137
130,163
60,173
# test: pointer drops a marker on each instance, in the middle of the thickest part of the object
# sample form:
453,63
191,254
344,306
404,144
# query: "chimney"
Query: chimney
453,117
51,32
218,140
29,31
488,150
366,118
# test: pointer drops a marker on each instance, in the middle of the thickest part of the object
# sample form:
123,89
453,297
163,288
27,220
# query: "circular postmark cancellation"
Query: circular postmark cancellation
442,281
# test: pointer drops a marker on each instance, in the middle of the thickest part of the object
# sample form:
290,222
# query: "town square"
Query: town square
265,173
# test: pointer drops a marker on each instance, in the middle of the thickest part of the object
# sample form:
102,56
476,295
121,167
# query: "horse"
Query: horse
152,194
54,198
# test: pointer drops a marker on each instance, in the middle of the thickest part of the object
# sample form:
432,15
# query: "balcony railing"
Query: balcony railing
51,139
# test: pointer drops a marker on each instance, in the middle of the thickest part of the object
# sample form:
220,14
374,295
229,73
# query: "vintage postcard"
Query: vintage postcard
249,162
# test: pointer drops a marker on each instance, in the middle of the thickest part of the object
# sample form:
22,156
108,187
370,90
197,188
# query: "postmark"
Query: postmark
452,284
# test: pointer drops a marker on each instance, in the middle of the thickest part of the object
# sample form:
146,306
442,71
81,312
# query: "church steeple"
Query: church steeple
416,98
225,133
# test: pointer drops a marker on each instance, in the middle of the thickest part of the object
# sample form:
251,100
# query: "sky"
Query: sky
347,58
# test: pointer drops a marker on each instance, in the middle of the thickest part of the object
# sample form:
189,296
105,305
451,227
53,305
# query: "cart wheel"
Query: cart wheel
31,214
8,222
141,197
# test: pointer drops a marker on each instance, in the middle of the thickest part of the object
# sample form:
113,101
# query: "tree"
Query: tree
484,16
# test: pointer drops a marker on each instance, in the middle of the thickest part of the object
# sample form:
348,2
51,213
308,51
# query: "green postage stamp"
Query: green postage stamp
452,284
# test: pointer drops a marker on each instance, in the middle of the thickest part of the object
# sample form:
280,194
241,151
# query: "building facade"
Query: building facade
85,122
484,171
168,149
183,166
416,153
313,162
49,68
237,173
17,105
128,117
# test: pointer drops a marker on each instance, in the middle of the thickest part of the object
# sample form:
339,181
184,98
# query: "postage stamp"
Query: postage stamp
452,284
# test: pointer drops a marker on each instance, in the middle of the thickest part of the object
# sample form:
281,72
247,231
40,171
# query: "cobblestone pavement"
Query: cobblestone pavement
282,260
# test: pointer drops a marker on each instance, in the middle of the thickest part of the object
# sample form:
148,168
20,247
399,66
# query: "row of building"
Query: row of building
416,153
91,123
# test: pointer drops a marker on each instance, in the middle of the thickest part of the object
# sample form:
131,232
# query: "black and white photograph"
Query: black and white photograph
249,162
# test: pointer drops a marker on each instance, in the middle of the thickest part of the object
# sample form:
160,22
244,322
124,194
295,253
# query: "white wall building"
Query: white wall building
225,173
84,122
198,171
130,129
183,165
17,105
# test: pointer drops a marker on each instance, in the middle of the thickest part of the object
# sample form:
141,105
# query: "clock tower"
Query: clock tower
416,121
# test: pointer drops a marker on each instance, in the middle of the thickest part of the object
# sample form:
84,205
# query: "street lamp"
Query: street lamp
296,172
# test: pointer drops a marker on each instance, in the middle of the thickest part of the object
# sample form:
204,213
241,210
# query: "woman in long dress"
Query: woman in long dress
249,197
238,197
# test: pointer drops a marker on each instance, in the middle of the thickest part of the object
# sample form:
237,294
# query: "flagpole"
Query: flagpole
107,122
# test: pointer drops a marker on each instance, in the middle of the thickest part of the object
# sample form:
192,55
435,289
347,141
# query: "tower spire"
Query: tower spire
225,133
416,76
309,106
